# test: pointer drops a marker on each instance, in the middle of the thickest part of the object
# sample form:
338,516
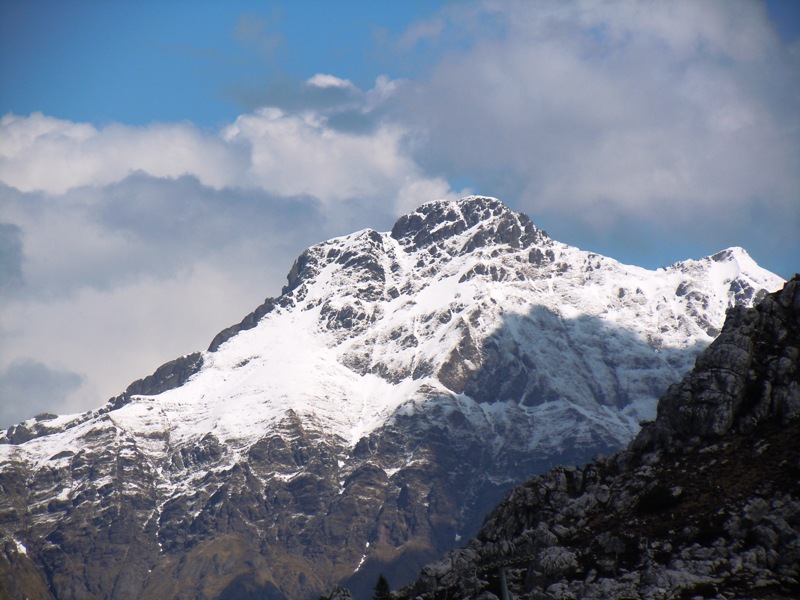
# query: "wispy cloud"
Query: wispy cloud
259,35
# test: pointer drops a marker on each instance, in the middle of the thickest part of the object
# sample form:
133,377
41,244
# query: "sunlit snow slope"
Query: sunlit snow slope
379,321
373,411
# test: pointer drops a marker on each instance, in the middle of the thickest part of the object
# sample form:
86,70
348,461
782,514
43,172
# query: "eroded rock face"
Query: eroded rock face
704,503
750,373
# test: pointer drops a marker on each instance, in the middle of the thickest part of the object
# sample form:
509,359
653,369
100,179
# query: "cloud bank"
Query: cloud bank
650,132
124,247
679,113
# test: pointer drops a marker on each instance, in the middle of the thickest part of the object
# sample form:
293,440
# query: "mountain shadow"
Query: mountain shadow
542,390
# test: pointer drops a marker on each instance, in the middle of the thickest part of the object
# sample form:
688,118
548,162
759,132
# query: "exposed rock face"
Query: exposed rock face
736,383
704,503
438,222
364,421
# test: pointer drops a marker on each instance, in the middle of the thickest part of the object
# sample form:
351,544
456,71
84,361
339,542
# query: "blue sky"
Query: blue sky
137,62
163,162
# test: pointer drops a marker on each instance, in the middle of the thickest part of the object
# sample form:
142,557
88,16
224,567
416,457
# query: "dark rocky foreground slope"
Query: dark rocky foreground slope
704,503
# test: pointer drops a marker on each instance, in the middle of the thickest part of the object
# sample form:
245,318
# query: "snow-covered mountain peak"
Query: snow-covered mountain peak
732,269
370,321
461,226
464,301
400,382
732,261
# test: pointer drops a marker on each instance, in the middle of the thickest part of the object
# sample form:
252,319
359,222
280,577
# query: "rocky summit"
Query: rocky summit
365,420
704,503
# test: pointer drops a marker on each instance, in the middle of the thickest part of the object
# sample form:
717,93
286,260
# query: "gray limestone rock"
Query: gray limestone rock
749,374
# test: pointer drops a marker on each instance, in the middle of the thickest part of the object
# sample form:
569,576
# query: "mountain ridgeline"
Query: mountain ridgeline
365,420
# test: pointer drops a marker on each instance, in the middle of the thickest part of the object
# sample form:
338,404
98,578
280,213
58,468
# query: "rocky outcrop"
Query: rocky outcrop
167,377
337,592
704,503
437,222
250,321
749,374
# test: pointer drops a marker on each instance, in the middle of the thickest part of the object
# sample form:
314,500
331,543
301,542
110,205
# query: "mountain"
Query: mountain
363,421
704,503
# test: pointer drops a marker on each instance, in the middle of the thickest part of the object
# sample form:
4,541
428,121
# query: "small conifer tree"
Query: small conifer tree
381,589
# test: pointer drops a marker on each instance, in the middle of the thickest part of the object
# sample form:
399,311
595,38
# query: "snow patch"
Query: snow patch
21,548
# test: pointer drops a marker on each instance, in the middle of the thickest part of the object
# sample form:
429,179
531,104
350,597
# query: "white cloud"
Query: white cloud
672,111
324,80
300,154
52,155
132,245
287,153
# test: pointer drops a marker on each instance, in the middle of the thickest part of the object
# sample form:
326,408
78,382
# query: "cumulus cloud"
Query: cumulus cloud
118,237
43,153
288,153
678,113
